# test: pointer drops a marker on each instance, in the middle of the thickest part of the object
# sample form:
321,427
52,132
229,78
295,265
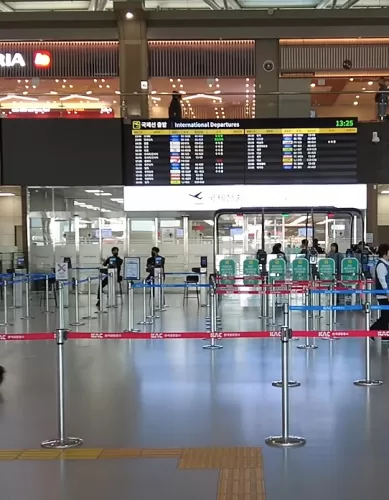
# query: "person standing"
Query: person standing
382,284
175,111
154,261
112,262
381,98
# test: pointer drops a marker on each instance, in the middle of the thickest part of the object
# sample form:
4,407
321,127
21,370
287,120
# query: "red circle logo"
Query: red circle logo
42,59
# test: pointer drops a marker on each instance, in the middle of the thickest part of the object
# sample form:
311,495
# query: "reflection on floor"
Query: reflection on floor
173,394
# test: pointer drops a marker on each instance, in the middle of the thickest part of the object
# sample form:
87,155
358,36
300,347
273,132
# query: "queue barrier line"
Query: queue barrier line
328,308
266,334
169,285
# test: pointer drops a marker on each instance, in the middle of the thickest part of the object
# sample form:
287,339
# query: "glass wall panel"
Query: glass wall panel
80,223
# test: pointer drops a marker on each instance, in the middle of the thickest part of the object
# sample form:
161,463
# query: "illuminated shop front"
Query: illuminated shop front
59,80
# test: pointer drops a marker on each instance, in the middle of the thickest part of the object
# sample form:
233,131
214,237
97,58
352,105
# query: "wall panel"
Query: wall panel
62,152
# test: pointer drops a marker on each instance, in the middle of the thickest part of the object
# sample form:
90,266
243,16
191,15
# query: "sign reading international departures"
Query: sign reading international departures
214,152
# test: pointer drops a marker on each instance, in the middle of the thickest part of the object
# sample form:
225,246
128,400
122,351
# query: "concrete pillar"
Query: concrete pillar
133,59
372,212
266,78
298,104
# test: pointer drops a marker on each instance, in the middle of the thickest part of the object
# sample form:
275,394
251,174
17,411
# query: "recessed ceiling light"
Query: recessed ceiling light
351,79
153,91
210,85
247,85
178,79
129,15
217,85
174,85
71,86
355,103
370,83
64,81
171,80
19,81
363,88
103,80
357,97
63,86
26,81
100,86
216,79
247,79
217,92
7,194
88,92
313,84
93,191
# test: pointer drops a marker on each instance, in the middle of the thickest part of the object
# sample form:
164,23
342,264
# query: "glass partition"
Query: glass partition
80,223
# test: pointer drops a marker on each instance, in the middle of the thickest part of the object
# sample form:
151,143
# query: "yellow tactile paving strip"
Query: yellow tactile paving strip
220,458
89,454
241,484
240,469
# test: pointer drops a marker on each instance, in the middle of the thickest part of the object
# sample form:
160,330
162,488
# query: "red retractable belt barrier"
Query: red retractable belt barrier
191,335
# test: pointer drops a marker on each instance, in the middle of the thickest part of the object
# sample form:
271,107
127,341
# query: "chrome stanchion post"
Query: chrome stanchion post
153,313
307,301
130,296
286,312
367,381
27,297
264,299
273,307
285,440
331,314
89,300
62,442
213,326
5,290
145,321
13,292
77,321
47,288
101,296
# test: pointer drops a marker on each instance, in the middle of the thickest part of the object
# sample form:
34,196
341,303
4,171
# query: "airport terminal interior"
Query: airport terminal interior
199,310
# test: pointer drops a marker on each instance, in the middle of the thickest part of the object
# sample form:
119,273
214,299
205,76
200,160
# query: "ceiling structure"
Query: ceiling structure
100,5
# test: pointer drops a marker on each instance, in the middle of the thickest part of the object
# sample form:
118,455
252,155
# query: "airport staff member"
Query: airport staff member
154,261
382,283
113,262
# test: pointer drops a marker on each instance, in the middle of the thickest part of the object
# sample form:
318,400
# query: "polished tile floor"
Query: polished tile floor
169,394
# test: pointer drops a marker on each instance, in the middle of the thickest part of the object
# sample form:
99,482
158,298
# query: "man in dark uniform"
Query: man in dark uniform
113,262
154,261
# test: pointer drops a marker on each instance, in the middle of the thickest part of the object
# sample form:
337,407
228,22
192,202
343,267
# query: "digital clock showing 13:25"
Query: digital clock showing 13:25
345,123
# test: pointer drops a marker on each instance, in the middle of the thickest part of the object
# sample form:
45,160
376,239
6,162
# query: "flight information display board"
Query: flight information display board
257,151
